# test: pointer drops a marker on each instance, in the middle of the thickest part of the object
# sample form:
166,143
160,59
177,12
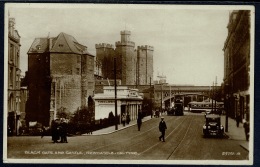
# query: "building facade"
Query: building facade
60,77
237,64
129,102
133,67
14,72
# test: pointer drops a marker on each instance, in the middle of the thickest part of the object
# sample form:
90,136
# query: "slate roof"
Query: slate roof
63,43
39,45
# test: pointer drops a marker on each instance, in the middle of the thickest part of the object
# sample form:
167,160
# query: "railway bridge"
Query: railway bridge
164,94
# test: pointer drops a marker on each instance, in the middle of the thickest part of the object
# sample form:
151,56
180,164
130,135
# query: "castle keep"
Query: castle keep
134,67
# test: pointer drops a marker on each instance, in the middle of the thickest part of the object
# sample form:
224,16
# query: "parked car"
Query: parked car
213,126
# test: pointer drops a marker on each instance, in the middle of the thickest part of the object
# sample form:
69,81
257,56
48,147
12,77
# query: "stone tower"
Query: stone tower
144,74
126,59
105,59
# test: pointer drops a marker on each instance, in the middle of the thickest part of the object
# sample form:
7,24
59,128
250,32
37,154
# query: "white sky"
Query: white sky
187,42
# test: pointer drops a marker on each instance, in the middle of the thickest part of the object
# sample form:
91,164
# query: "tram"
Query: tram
205,106
177,109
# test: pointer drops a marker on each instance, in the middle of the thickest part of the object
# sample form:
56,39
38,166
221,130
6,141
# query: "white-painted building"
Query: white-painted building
128,101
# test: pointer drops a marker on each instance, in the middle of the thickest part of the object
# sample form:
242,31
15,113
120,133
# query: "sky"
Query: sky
188,41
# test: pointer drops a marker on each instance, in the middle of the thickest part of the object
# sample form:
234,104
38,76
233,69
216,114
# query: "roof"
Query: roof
63,43
39,45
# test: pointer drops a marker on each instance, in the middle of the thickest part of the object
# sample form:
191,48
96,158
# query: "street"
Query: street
184,141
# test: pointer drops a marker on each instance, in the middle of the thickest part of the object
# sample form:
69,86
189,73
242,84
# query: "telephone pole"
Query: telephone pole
116,127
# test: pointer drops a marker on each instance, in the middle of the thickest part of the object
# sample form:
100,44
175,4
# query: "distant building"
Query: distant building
129,101
60,77
14,72
134,67
237,63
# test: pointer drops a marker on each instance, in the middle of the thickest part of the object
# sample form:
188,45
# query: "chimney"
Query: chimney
50,44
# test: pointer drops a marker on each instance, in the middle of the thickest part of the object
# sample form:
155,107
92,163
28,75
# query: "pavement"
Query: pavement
234,132
111,129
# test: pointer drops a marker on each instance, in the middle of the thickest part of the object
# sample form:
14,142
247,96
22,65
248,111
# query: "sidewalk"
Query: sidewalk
111,129
234,132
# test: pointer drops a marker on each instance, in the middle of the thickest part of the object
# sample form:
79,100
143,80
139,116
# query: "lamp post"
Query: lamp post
227,106
212,105
116,127
170,97
162,95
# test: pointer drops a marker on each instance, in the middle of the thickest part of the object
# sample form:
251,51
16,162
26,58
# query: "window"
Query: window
38,47
11,52
11,76
78,71
18,59
60,45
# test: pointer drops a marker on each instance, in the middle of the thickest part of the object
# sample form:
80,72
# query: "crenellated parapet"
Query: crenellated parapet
145,47
104,45
126,43
125,32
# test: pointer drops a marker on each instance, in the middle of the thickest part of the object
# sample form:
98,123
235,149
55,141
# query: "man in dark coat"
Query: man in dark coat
162,128
139,120
246,127
54,131
64,127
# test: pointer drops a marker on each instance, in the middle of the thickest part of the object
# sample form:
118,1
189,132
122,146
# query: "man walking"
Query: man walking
139,120
162,128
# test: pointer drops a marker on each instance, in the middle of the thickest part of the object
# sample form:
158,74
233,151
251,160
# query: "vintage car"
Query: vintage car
213,126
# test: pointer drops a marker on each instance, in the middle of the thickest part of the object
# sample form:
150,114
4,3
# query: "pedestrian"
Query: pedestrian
54,126
139,120
19,126
238,119
42,131
157,113
123,119
64,127
59,130
162,128
247,129
128,118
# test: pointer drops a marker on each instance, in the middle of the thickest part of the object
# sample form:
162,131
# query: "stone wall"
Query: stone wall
74,79
105,57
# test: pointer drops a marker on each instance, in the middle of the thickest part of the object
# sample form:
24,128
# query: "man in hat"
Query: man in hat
162,128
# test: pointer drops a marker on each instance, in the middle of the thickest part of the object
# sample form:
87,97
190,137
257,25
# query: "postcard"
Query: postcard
128,84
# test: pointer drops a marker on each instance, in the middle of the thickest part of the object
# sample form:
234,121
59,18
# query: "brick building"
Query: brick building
134,67
237,64
60,77
14,72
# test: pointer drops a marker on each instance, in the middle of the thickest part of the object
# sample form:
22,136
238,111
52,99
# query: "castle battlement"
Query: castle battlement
146,47
104,45
126,43
125,32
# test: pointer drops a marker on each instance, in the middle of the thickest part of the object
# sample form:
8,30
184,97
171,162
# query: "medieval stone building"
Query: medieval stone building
134,67
60,77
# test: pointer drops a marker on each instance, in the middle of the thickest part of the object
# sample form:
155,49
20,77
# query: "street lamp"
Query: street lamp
170,97
162,95
116,127
226,106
